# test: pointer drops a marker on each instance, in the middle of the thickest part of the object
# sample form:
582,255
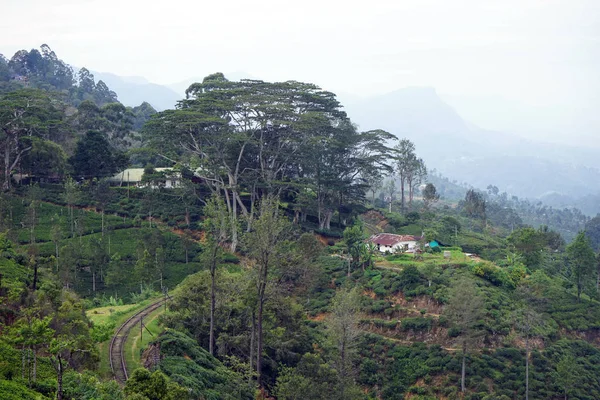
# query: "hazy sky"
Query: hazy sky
532,55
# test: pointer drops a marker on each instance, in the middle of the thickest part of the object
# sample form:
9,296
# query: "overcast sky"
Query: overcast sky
533,55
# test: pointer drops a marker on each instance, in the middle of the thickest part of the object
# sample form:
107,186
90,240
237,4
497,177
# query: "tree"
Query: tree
343,331
117,125
390,189
415,176
32,333
142,114
406,164
430,271
592,231
95,158
86,83
264,138
529,243
154,386
45,160
598,273
582,261
103,95
568,372
430,195
98,258
264,242
24,114
217,228
71,197
354,239
465,309
143,268
102,196
71,345
375,183
475,205
528,323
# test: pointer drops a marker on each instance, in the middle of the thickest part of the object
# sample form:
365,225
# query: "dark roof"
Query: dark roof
390,239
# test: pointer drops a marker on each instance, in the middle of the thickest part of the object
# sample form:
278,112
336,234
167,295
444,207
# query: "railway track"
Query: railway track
116,355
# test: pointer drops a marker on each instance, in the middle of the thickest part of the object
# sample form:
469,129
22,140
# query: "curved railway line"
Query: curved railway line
116,355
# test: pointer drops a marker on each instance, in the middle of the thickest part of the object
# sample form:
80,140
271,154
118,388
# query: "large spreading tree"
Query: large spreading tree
24,115
260,138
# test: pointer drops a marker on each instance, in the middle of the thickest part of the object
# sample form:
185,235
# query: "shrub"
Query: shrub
416,324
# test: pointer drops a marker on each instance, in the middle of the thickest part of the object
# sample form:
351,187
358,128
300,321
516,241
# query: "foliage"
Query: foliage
153,386
94,157
193,367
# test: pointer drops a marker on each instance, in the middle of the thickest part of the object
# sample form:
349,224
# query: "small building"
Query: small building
134,177
389,242
433,244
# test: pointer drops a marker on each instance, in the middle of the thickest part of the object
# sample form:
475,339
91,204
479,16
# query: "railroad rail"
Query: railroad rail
116,355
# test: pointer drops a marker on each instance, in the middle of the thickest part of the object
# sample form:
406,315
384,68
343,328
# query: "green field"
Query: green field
137,341
115,315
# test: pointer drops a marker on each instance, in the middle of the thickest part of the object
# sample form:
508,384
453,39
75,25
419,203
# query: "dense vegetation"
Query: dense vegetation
273,289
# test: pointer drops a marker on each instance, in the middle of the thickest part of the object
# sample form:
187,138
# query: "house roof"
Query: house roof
390,239
133,174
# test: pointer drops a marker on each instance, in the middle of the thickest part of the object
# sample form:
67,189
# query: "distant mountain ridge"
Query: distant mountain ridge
480,157
134,90
455,147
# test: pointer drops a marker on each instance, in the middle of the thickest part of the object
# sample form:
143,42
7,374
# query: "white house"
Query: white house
133,177
389,242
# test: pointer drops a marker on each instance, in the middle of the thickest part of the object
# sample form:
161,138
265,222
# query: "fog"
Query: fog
526,69
535,58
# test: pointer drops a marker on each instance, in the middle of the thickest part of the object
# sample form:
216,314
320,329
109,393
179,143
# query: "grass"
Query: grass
135,344
103,315
403,260
118,316
49,217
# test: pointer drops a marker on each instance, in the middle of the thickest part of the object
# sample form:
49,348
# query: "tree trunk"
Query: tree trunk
234,231
463,372
56,250
260,334
213,268
327,222
402,180
527,367
23,362
253,197
102,213
598,276
34,365
253,327
35,274
94,281
72,220
6,183
29,366
59,376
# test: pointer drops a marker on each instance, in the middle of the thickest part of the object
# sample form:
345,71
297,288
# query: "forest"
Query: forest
246,241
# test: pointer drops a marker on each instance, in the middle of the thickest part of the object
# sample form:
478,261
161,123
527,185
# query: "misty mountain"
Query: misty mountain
134,90
463,151
561,175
